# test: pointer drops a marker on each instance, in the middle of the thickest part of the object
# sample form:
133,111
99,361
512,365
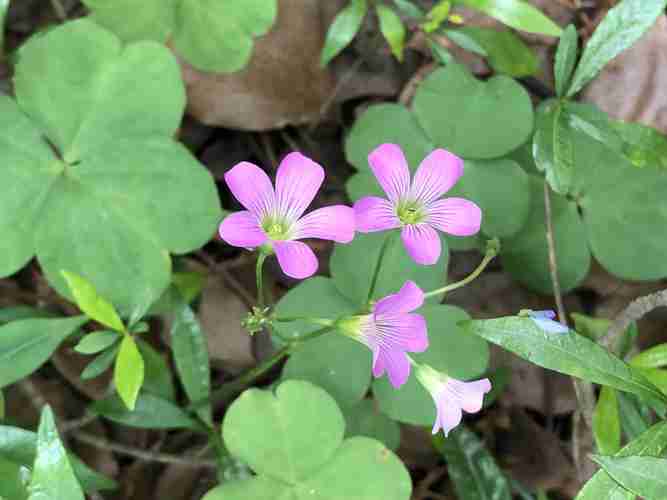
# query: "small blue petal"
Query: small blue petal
543,320
546,314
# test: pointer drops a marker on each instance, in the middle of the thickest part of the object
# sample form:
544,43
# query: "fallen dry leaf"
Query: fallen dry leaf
632,86
542,465
220,314
282,85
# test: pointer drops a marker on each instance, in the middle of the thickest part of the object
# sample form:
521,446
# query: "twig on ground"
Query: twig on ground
72,425
220,267
585,395
59,10
149,456
340,84
267,148
34,395
635,311
410,88
553,264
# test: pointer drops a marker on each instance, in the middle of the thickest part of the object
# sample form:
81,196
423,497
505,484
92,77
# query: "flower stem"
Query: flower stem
378,265
312,335
314,321
260,281
492,249
227,391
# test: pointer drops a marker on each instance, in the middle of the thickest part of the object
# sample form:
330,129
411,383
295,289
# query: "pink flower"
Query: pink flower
452,396
274,218
417,207
391,330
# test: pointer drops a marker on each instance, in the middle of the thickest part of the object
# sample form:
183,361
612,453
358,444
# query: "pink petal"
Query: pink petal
422,243
436,175
391,170
334,223
449,414
252,188
470,394
456,216
395,363
401,332
408,298
297,182
296,259
375,214
242,229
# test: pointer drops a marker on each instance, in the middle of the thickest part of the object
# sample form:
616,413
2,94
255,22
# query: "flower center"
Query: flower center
276,229
410,212
353,326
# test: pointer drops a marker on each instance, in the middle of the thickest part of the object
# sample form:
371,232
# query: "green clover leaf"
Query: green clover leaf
92,179
212,35
293,440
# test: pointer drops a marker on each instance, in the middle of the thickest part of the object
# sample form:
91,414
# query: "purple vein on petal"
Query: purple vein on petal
422,243
436,175
456,216
375,214
296,259
390,167
252,188
407,299
334,223
297,182
242,229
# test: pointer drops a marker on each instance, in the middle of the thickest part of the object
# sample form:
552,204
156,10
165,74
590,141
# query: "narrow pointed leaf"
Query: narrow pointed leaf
655,357
13,485
150,412
4,6
622,27
100,364
607,422
644,476
27,344
20,447
52,475
601,486
471,467
634,415
409,8
657,376
343,29
157,373
566,58
129,371
191,357
90,302
97,342
517,14
392,29
570,353
506,52
643,146
553,147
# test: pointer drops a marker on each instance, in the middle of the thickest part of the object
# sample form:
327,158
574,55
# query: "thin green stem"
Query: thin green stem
260,278
227,391
491,252
315,321
312,335
378,265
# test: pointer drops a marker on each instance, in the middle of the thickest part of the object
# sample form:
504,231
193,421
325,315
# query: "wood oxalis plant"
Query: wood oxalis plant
98,190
